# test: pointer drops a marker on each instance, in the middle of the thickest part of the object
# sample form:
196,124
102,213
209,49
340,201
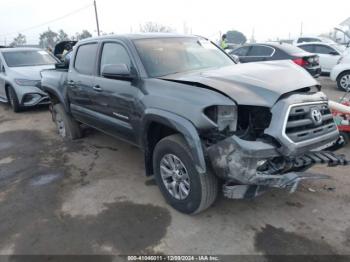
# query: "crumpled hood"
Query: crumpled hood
259,84
29,72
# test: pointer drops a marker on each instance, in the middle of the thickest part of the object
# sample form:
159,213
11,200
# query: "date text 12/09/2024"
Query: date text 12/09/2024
173,258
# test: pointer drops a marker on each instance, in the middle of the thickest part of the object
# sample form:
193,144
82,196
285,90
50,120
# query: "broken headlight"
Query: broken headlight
224,117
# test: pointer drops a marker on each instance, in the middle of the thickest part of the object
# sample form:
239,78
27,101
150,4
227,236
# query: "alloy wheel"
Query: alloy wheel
175,176
345,82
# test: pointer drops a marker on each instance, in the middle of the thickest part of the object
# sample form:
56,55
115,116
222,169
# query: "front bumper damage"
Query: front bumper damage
252,167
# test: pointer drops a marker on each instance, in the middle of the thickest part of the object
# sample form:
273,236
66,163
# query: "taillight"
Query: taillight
300,61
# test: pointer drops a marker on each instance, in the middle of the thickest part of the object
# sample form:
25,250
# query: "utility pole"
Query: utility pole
98,26
301,29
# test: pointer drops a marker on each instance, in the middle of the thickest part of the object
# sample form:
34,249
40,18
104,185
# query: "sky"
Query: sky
268,19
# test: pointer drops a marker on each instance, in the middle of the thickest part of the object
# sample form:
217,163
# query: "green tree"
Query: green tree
84,34
48,38
235,37
19,40
62,36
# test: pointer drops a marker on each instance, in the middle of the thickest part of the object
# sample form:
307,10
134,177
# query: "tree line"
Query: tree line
49,38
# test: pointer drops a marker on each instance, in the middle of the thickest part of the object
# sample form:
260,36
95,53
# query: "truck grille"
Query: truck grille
308,121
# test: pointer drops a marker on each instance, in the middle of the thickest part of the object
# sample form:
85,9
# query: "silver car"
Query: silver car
20,76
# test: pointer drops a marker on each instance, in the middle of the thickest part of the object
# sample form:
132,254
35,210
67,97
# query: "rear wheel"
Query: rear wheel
67,127
343,81
13,100
181,185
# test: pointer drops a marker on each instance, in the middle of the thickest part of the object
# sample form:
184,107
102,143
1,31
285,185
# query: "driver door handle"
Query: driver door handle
71,83
97,88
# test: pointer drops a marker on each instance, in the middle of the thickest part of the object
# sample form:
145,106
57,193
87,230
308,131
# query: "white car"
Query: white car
314,39
341,73
328,53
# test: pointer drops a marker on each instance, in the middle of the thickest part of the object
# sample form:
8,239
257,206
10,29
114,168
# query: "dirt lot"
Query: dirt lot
91,197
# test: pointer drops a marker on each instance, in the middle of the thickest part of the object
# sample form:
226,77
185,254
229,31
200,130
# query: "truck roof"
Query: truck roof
139,36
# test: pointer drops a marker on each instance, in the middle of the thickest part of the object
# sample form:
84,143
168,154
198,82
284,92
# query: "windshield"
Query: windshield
28,58
164,56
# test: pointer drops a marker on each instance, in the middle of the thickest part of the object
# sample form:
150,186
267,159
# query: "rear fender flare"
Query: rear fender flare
58,95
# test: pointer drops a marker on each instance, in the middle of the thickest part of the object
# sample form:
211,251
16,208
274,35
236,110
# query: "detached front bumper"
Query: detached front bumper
251,167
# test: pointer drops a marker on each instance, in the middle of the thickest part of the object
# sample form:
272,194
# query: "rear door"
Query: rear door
328,57
113,99
259,53
80,82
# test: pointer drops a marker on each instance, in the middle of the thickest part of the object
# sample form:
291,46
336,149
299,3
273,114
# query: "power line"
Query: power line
48,22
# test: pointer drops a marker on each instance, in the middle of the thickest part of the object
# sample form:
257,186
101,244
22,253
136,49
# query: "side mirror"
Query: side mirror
235,58
116,71
333,53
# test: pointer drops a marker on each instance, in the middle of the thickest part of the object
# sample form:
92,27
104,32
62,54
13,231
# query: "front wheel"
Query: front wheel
13,100
181,185
343,81
67,127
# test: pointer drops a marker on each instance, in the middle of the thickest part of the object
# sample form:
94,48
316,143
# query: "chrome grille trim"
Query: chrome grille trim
299,127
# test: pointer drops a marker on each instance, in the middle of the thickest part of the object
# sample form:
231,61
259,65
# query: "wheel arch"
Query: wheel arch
157,124
342,72
7,86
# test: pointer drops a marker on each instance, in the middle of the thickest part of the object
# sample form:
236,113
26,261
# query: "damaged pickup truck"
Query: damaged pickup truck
201,120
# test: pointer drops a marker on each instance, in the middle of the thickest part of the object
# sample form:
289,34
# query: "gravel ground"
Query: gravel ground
91,197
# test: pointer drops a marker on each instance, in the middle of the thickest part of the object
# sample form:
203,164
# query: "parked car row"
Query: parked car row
318,55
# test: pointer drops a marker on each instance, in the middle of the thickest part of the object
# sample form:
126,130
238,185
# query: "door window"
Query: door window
113,53
308,48
242,51
85,59
261,51
322,49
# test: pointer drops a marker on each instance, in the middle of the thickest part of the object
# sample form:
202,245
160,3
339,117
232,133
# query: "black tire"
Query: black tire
345,137
13,100
339,78
203,187
63,120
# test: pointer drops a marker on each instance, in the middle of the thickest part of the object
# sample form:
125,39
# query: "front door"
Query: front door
113,99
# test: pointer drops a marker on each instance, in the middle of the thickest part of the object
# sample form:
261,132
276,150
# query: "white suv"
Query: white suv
341,73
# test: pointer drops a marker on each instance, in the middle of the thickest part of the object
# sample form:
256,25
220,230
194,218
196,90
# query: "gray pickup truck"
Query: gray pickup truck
203,121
